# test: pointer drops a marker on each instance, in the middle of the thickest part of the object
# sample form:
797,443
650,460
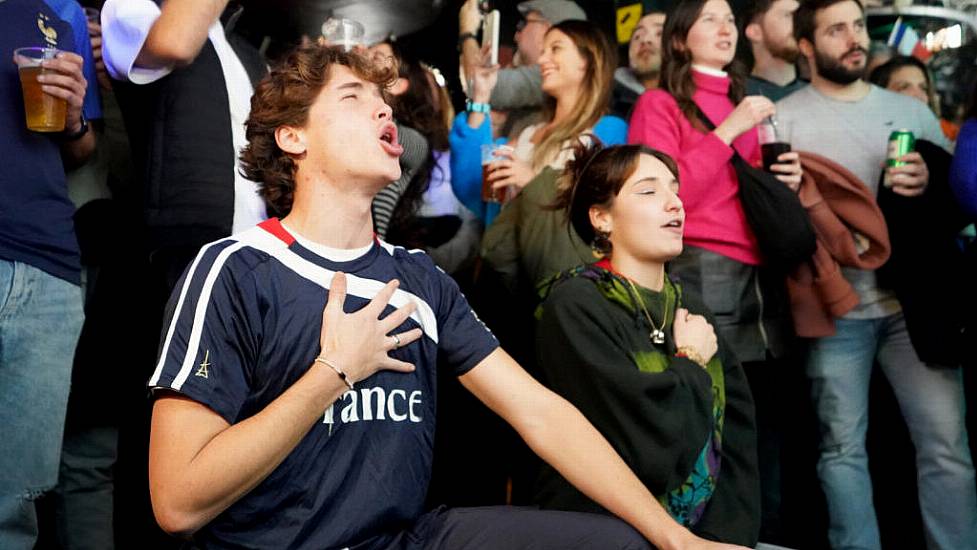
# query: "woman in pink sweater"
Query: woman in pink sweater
721,259
699,72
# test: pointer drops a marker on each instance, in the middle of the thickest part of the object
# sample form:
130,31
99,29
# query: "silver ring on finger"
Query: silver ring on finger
396,340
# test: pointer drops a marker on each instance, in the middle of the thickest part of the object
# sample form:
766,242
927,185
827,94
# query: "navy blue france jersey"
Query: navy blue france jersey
243,325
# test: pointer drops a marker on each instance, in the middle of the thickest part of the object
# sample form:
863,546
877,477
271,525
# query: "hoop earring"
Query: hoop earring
601,246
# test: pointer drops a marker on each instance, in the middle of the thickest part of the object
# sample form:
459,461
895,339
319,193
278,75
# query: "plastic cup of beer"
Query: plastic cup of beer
339,31
45,113
492,153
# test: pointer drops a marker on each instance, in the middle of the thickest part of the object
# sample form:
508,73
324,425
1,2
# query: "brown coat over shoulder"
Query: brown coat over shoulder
851,232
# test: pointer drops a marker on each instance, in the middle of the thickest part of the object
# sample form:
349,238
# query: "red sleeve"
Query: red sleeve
658,123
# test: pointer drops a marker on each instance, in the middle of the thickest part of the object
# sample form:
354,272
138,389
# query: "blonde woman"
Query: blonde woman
529,240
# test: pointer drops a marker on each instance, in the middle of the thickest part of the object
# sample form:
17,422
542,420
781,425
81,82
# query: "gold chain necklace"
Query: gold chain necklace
657,335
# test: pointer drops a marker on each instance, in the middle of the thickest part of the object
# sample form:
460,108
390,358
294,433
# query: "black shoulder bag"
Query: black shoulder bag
779,221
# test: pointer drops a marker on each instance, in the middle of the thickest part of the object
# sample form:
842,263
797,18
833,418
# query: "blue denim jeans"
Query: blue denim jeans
932,403
40,319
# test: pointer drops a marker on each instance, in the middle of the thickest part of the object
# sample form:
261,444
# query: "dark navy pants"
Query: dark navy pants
516,528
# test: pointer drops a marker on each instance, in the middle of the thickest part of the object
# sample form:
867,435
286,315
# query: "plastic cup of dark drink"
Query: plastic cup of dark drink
774,136
771,151
44,112
492,153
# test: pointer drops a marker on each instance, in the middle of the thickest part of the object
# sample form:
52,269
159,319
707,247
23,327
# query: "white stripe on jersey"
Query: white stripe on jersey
264,241
176,313
200,313
356,286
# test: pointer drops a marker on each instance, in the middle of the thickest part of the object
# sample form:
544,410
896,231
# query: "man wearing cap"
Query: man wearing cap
519,86
644,63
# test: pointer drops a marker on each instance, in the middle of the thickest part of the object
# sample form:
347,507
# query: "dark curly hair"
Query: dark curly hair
283,98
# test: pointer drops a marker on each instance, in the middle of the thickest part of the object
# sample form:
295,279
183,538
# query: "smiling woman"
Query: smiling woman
638,355
528,241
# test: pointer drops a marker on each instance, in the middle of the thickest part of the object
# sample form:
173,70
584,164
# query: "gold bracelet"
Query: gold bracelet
689,353
342,375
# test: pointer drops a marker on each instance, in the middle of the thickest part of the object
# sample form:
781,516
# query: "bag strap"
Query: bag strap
703,118
737,159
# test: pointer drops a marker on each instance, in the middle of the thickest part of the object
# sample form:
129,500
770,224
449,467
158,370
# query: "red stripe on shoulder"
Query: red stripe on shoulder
274,226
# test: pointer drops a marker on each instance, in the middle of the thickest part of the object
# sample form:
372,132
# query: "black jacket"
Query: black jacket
927,269
655,421
183,154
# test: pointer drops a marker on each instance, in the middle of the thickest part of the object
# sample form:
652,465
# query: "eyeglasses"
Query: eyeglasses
524,22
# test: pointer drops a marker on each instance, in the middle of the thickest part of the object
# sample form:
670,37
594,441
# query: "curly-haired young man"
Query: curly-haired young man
295,390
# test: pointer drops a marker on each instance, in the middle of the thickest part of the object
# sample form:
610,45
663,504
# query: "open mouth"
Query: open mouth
675,225
724,45
388,139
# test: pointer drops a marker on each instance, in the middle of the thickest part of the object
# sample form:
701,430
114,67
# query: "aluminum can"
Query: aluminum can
901,141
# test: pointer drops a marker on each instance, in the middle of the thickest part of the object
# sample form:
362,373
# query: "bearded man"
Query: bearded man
770,32
844,118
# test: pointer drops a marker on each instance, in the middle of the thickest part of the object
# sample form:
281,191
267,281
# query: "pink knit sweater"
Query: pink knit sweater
708,186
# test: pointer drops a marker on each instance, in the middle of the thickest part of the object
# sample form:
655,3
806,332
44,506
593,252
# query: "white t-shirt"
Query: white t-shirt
125,27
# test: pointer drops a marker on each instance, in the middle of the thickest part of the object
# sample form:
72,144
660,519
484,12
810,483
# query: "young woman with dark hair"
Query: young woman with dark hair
637,353
904,74
721,260
721,256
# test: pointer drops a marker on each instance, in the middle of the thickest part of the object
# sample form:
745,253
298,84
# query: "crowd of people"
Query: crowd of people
304,262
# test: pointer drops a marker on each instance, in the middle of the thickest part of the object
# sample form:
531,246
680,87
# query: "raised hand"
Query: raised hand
509,171
750,112
62,77
788,169
911,179
468,17
359,343
694,332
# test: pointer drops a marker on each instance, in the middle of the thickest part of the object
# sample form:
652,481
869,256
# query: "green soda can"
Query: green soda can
901,141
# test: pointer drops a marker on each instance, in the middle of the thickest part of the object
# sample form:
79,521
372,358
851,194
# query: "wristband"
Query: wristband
78,134
475,107
465,36
689,353
342,375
